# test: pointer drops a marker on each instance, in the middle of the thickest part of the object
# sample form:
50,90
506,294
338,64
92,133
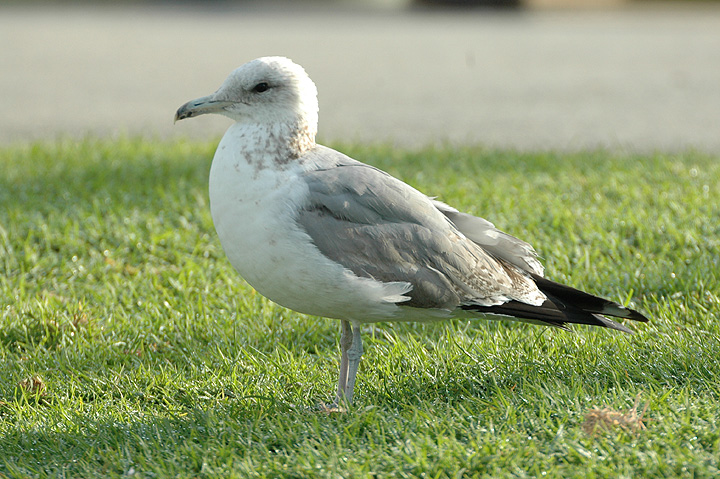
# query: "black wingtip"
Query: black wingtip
568,295
636,316
565,305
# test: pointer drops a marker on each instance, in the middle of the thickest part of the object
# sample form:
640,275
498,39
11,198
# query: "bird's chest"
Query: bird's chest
252,207
254,212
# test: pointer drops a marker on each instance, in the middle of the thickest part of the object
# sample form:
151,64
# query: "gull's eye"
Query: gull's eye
260,87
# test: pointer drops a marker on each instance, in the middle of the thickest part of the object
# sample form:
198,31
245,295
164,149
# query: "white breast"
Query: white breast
253,204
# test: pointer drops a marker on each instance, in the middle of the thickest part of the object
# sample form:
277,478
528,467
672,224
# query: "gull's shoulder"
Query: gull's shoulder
322,157
344,185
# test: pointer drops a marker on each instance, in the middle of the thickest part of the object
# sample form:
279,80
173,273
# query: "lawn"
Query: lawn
129,346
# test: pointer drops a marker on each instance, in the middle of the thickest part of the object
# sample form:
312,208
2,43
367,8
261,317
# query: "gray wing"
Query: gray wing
499,244
379,227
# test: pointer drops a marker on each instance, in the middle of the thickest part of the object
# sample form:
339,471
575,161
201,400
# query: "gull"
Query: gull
323,234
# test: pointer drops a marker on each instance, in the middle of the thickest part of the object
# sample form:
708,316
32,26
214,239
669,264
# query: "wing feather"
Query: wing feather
379,227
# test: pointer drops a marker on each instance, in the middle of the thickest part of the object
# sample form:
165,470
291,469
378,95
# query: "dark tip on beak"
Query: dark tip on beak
182,113
201,106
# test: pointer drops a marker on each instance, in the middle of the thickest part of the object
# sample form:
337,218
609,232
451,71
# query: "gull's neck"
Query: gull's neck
300,136
281,141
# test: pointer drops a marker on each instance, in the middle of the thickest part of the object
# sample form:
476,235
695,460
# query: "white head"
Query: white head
265,91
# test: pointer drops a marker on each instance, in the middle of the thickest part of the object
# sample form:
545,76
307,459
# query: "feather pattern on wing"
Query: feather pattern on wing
499,244
381,228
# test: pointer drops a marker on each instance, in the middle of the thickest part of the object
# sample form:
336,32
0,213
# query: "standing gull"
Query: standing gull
323,234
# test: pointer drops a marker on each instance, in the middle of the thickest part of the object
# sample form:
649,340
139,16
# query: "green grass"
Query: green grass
157,360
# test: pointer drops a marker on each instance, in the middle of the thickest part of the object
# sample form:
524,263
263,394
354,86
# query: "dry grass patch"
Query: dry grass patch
607,419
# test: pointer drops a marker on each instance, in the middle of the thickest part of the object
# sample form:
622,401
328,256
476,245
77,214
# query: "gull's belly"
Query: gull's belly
279,263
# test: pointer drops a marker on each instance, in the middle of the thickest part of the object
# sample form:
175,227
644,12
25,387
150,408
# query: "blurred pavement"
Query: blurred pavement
636,79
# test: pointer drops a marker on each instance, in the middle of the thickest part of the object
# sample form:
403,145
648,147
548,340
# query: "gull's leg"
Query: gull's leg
354,354
346,341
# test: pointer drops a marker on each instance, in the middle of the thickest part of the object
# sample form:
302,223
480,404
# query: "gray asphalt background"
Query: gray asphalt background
641,78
